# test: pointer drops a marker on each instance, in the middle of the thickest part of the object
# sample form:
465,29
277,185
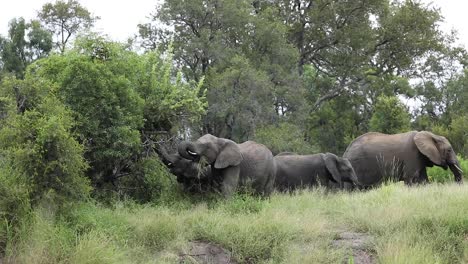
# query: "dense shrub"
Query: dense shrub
122,103
438,174
390,116
39,146
284,137
14,205
41,161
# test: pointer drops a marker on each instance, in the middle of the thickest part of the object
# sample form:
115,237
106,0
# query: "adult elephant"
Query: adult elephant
193,176
248,164
403,157
325,169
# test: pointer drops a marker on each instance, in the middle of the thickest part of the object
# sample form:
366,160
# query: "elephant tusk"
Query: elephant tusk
192,153
458,168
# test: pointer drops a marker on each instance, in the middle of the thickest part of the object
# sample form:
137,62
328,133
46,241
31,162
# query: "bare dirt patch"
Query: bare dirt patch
206,253
360,244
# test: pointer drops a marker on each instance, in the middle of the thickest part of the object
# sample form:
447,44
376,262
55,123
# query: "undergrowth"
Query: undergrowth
425,224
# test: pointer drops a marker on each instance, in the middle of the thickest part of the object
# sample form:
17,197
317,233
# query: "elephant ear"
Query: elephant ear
229,155
331,162
425,142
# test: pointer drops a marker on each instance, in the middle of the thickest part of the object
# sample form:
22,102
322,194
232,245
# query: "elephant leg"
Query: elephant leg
269,186
421,176
411,178
230,180
347,186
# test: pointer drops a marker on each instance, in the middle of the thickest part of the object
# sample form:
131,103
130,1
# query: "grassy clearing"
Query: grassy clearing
427,224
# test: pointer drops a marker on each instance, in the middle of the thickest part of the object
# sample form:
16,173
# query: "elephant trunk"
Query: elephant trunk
188,151
162,153
457,171
354,178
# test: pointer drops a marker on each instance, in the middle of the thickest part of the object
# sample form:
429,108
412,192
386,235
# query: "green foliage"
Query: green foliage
150,181
333,126
108,112
26,42
207,32
169,104
14,205
240,100
390,116
458,134
284,137
42,163
22,95
122,103
39,145
438,174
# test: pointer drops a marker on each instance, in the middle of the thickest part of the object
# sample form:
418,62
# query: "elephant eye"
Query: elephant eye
169,164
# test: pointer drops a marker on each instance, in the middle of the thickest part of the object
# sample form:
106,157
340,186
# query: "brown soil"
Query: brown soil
360,244
201,252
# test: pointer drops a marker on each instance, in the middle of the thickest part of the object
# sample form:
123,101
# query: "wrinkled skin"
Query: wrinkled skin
376,157
234,165
295,171
193,177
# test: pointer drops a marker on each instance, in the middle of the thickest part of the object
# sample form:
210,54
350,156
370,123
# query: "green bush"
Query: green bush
120,102
14,206
285,137
39,146
150,181
438,174
390,116
458,134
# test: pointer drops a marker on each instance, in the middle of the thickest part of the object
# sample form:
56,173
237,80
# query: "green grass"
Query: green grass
427,224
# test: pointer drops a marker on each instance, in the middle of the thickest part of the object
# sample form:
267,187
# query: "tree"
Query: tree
350,41
390,116
26,43
205,32
458,134
211,37
65,19
122,103
335,124
38,144
284,137
241,100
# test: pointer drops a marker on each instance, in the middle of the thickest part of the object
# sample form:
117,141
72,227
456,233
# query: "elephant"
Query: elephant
376,157
325,169
233,165
194,177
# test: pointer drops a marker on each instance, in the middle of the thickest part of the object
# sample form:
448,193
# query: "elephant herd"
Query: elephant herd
221,165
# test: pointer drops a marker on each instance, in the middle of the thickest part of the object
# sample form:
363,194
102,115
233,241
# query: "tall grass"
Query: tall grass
426,224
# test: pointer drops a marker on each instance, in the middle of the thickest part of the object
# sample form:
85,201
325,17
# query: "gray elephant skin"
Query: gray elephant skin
248,164
193,177
376,157
324,169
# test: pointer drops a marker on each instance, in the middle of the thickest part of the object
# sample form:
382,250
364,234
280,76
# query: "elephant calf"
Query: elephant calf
294,171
